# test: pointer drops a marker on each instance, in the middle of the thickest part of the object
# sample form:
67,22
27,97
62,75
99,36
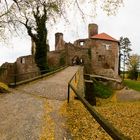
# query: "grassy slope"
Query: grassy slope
132,84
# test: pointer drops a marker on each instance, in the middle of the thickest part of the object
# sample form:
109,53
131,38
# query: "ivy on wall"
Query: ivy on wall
62,60
89,53
1,70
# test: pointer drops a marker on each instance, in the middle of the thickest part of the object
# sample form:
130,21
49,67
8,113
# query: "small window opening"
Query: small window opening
107,47
22,60
82,43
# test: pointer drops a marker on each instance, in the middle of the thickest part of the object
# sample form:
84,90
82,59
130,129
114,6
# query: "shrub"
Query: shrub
101,90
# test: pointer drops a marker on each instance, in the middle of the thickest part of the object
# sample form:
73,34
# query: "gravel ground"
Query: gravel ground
20,117
30,112
52,87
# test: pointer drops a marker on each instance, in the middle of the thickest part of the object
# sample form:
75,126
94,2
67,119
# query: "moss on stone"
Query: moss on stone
3,88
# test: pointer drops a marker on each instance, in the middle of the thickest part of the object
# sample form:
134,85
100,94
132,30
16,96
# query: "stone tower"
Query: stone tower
59,42
92,30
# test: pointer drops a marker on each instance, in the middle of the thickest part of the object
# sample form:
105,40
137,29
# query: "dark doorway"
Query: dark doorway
76,60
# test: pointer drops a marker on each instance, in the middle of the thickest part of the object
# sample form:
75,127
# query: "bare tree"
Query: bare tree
33,15
4,11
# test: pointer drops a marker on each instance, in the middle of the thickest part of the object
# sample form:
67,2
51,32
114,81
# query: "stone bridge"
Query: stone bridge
35,111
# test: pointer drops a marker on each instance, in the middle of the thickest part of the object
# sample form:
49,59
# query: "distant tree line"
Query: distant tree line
128,63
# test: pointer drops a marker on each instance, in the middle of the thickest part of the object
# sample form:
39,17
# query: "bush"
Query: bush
133,75
101,90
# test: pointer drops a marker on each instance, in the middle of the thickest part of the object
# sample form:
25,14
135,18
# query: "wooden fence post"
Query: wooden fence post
68,93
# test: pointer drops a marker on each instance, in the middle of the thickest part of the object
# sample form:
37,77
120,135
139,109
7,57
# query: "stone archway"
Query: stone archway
75,60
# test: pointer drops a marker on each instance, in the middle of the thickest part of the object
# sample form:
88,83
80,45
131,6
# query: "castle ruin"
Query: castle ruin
98,53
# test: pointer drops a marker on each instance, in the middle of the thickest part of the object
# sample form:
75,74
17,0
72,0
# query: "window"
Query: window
82,43
22,60
107,47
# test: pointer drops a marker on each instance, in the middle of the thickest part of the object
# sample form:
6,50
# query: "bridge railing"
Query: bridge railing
106,125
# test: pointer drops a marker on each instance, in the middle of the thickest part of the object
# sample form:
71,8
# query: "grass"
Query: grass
132,84
101,90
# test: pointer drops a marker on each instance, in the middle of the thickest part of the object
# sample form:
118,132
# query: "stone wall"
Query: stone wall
26,68
6,72
104,56
56,58
80,53
82,43
99,56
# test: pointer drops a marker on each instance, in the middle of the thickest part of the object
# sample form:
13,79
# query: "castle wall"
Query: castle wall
56,58
80,53
104,56
6,72
98,56
26,68
83,43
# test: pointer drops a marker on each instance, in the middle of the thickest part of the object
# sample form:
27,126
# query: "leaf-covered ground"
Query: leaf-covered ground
124,116
81,124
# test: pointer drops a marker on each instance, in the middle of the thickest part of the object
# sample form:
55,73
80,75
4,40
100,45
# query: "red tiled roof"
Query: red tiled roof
104,36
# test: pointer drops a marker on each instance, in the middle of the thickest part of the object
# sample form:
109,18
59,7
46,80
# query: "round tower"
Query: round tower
59,42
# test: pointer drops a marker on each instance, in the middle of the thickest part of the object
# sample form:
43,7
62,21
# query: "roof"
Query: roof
104,36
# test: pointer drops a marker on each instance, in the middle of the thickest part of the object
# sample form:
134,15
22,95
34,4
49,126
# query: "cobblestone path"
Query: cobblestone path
31,111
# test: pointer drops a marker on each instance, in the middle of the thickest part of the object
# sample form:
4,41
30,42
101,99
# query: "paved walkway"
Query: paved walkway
31,111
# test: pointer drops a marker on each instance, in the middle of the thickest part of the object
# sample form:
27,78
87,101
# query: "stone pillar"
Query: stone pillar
92,30
59,42
89,90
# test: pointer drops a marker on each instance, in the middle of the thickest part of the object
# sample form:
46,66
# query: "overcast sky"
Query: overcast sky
126,23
